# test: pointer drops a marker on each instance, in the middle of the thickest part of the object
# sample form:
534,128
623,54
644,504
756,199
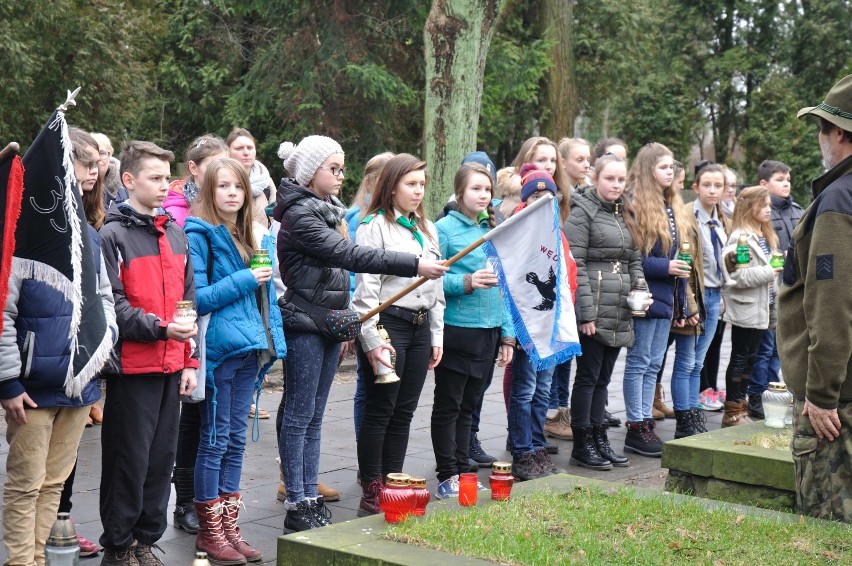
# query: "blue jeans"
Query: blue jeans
713,306
559,389
689,356
643,362
311,364
360,396
219,463
528,401
766,365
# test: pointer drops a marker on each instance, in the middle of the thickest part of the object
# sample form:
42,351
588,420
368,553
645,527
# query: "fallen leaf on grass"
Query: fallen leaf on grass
675,545
528,535
686,534
829,555
718,563
487,530
740,519
630,532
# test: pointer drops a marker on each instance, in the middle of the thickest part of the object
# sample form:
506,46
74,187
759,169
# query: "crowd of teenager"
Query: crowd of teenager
624,221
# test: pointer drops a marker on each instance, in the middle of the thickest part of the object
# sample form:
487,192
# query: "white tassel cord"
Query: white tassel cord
74,384
31,269
70,205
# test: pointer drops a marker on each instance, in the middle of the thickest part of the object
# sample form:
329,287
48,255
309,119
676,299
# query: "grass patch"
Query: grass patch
597,526
778,439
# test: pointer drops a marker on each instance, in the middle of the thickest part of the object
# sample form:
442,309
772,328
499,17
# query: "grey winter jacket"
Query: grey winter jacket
608,266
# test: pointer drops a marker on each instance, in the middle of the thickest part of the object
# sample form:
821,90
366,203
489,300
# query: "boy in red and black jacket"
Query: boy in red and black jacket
147,259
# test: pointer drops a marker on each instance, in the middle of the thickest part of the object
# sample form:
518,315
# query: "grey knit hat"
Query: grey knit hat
303,160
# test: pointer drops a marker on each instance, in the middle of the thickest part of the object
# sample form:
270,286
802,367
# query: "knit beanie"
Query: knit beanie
303,160
533,180
482,158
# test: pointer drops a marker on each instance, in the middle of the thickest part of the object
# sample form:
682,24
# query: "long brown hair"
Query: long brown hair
203,147
749,201
525,155
394,170
93,201
460,182
372,170
204,205
645,213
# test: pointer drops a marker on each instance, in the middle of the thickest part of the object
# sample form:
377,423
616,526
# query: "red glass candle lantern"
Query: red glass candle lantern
468,484
421,496
396,499
501,481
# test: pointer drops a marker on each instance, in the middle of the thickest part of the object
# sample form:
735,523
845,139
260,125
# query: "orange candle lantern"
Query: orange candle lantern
501,481
468,489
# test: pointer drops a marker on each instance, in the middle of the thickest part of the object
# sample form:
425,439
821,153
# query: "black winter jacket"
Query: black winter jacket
785,216
315,257
608,266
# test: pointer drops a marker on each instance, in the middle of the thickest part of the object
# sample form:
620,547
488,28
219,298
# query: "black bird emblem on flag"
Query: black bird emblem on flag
547,289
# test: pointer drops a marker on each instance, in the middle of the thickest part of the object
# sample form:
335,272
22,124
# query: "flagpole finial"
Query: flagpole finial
69,100
11,149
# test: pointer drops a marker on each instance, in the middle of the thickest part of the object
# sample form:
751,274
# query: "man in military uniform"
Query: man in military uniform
814,328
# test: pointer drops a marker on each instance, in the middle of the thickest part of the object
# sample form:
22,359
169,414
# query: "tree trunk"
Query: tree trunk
559,87
456,37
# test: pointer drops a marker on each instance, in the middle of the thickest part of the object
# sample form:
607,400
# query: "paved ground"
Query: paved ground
263,518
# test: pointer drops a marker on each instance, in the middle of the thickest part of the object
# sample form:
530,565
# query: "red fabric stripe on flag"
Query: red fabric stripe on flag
14,194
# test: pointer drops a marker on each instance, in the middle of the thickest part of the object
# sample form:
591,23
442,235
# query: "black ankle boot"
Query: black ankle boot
585,453
301,518
699,420
185,517
685,427
605,449
755,406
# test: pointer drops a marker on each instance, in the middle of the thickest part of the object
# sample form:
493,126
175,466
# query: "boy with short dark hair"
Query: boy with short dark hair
147,258
775,176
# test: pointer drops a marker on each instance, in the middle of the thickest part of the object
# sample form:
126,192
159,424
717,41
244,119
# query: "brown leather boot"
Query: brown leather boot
328,493
231,503
370,498
211,536
734,415
660,405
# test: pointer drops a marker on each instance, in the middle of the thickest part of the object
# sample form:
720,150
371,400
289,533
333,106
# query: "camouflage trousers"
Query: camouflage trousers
823,468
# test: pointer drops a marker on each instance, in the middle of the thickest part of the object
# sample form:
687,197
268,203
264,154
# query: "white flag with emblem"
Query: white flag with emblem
527,253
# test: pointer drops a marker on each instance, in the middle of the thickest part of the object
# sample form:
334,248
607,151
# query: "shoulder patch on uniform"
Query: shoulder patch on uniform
368,219
824,267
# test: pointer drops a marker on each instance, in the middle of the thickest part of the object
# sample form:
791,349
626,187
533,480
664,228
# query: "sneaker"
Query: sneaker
119,557
709,400
721,395
448,488
145,554
478,454
87,547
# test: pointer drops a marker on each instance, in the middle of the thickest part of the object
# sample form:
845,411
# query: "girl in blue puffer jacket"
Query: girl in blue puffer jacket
244,336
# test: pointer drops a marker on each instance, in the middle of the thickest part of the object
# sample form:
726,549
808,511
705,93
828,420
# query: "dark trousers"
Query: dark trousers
65,497
189,432
477,411
594,371
138,445
710,371
459,388
744,344
389,408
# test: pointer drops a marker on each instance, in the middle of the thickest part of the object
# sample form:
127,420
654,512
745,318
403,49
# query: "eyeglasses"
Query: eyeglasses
103,155
336,171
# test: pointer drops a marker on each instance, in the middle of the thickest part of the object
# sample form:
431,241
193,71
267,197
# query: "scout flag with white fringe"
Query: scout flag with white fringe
526,252
53,248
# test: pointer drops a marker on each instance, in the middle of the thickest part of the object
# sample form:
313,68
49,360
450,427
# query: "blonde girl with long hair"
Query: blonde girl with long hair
245,335
544,153
656,220
750,297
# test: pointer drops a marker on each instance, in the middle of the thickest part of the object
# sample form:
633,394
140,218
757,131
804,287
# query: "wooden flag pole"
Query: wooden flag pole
10,149
420,281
